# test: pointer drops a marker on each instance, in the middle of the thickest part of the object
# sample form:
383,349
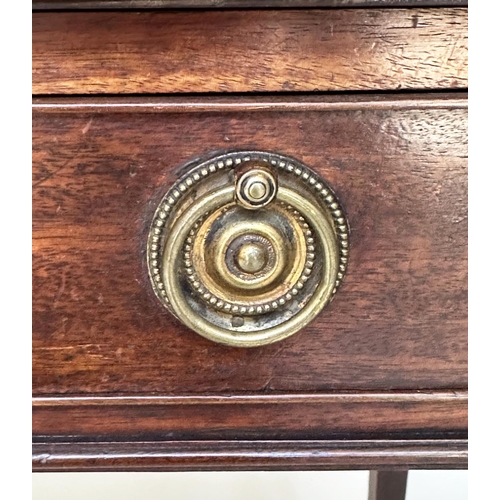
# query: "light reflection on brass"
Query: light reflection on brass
255,188
255,251
251,257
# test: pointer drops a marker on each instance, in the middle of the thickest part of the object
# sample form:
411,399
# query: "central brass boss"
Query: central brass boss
247,248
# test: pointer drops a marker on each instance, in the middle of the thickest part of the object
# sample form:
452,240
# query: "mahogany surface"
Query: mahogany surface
253,50
250,455
399,323
126,92
111,365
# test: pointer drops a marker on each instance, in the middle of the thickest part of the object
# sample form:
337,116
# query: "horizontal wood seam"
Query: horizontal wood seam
249,399
223,105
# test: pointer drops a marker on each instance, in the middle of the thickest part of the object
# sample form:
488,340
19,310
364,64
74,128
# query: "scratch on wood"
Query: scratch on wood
87,127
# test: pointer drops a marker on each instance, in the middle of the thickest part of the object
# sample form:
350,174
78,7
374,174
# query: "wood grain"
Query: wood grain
244,4
275,417
249,455
249,51
398,323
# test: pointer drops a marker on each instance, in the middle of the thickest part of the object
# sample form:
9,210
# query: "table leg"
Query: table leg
387,485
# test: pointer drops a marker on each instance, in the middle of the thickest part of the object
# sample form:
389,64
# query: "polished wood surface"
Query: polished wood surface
398,323
126,93
249,455
364,415
243,51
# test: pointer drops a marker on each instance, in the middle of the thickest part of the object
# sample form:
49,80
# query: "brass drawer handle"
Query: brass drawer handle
248,247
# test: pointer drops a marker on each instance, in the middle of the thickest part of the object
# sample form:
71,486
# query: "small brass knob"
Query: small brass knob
247,247
256,188
252,257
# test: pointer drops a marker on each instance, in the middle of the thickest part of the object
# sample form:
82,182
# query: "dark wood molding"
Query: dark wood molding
297,416
250,455
338,50
231,4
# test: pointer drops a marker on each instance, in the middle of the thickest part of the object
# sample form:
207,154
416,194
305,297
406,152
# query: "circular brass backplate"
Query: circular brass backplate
248,247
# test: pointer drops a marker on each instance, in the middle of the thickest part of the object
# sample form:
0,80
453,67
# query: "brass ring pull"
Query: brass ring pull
247,248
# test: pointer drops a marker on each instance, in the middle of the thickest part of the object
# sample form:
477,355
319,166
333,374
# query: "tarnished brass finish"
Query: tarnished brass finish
255,188
248,247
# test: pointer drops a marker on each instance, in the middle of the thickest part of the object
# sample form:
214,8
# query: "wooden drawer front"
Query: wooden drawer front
398,322
241,51
377,380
